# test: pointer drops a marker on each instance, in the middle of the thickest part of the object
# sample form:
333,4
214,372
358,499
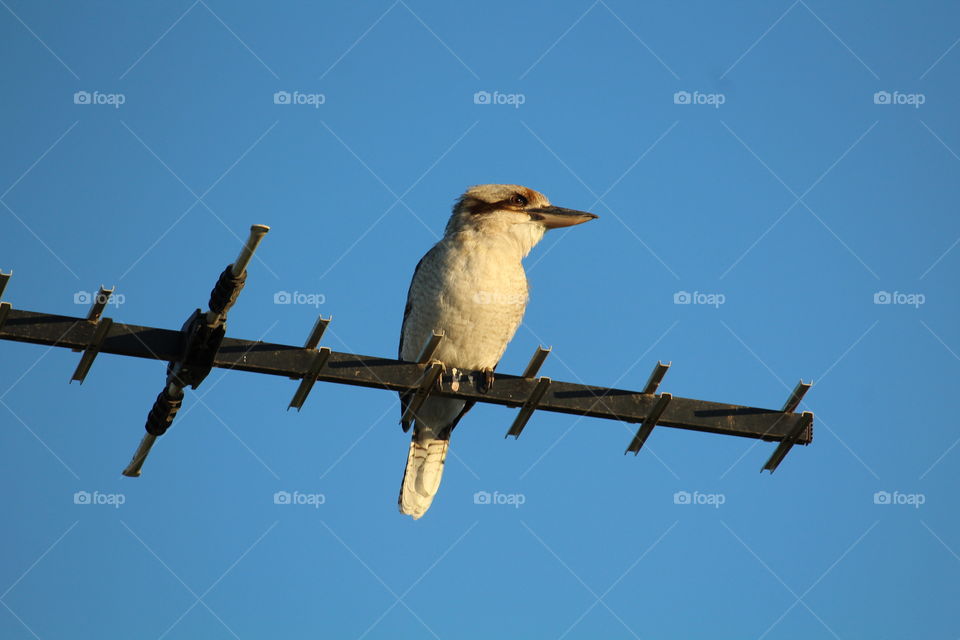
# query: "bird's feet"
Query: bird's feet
486,380
443,371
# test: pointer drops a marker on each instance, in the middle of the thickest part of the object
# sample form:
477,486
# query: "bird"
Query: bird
471,286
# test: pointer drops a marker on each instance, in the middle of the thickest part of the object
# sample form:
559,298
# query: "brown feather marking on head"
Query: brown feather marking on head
498,198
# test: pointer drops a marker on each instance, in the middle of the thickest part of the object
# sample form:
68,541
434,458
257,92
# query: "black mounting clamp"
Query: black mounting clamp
646,427
4,306
530,405
320,358
432,370
102,328
803,429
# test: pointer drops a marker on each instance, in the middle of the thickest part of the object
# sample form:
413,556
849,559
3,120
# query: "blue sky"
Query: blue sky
796,164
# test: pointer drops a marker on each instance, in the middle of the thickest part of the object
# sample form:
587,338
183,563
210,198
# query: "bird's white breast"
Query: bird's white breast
474,289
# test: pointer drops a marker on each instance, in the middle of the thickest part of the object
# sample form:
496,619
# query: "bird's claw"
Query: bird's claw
486,381
443,370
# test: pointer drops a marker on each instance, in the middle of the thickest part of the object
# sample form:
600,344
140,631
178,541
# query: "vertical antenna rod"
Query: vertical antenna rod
203,335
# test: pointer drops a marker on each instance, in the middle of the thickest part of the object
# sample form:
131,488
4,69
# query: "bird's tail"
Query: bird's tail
421,478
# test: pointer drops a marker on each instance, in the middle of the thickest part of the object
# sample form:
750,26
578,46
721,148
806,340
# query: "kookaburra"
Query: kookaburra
471,285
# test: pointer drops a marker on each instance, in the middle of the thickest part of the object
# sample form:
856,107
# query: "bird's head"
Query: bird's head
510,210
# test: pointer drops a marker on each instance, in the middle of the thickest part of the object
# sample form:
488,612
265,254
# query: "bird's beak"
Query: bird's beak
556,217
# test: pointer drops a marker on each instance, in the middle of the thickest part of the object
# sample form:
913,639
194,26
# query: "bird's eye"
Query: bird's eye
518,200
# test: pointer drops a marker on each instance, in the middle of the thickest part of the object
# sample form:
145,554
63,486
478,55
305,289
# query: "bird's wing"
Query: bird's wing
405,396
408,309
